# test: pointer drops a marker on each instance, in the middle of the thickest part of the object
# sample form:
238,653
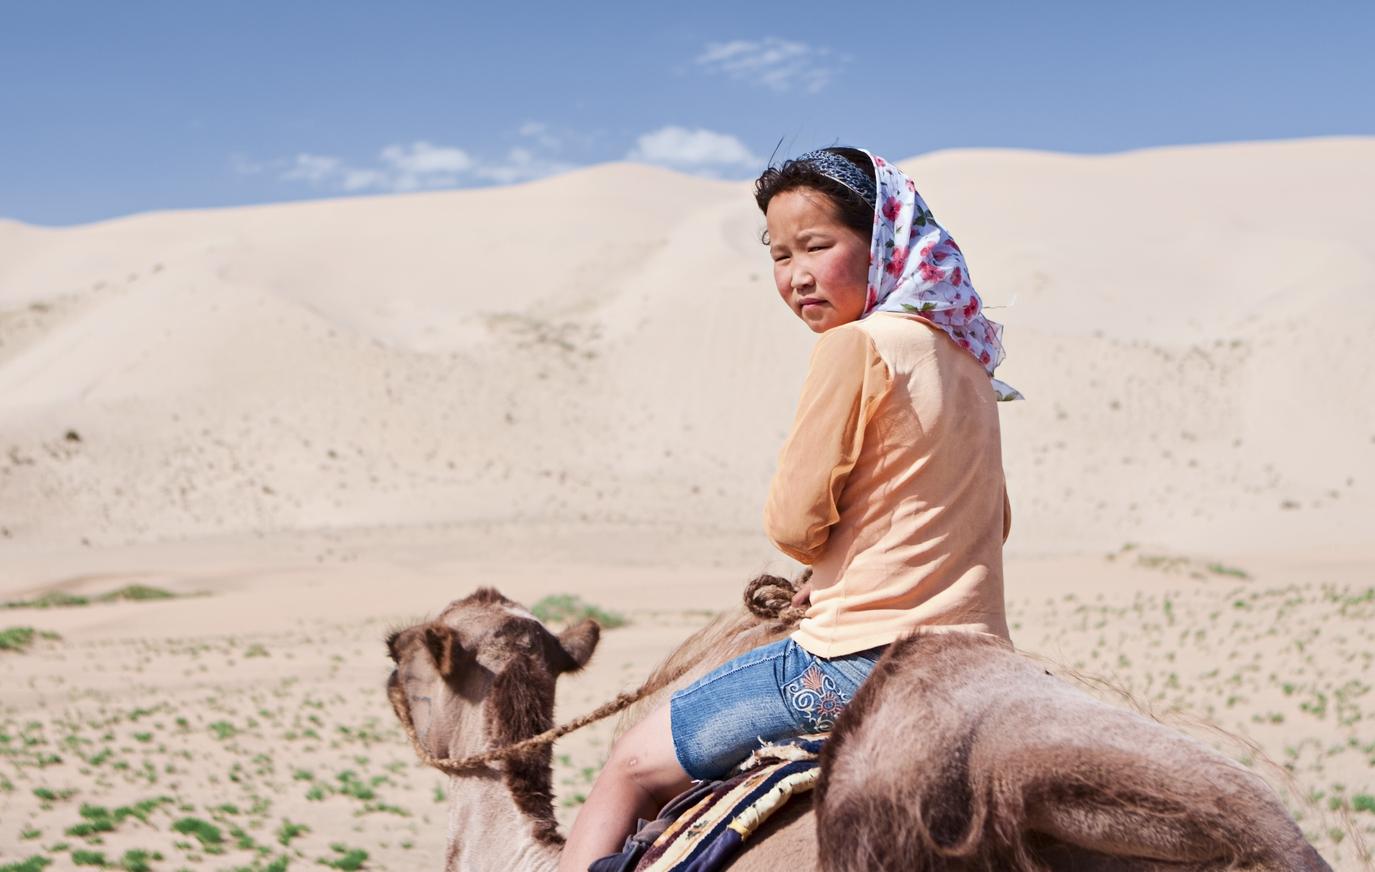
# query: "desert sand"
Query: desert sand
311,422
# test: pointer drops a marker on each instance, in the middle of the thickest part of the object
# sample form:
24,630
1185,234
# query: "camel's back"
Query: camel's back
786,841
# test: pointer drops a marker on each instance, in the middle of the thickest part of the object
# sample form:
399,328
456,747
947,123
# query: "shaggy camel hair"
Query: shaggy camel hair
482,675
991,762
988,763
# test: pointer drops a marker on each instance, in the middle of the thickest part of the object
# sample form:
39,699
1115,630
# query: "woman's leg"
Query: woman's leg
641,775
769,693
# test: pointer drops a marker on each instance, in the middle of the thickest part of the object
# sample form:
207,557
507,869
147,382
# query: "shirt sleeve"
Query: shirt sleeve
845,381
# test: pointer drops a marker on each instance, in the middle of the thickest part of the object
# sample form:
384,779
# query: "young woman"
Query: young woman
890,485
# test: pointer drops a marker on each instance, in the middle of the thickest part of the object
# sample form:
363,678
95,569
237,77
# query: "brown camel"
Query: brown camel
988,762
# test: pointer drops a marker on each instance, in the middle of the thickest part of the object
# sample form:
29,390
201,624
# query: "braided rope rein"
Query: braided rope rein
768,597
450,766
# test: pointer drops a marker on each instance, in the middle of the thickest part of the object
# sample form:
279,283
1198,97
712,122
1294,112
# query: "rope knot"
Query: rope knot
771,597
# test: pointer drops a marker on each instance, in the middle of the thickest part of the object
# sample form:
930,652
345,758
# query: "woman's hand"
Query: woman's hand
803,598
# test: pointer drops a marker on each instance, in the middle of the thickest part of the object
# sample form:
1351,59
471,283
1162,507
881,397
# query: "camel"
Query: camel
989,762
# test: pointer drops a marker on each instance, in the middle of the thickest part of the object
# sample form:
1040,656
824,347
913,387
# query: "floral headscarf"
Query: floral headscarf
915,267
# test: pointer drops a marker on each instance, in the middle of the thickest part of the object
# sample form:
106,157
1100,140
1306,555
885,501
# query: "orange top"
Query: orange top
891,486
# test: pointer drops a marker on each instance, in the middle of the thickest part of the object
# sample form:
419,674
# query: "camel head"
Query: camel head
482,674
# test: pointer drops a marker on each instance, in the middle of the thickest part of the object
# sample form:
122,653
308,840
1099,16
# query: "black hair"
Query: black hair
852,209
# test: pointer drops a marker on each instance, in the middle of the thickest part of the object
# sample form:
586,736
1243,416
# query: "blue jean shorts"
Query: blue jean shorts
770,693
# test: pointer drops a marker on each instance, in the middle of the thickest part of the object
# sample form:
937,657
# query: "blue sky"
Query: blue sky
114,108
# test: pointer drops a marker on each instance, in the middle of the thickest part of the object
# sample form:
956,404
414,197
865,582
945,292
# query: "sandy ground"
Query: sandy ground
313,422
258,706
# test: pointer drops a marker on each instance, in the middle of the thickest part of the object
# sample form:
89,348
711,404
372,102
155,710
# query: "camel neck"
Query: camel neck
487,830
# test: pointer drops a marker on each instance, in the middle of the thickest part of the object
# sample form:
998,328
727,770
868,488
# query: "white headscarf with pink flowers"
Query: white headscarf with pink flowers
915,267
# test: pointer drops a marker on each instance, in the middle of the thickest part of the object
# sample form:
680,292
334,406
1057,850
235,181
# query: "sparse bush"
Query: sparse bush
223,729
52,600
205,832
348,859
16,638
136,592
288,831
1223,569
137,860
58,599
567,608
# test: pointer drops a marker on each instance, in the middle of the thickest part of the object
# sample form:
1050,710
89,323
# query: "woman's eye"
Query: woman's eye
818,247
780,258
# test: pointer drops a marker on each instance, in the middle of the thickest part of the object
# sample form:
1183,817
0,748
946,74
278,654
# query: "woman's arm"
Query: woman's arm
845,381
1007,514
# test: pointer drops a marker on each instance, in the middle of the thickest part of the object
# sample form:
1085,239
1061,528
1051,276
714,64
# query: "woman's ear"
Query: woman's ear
578,642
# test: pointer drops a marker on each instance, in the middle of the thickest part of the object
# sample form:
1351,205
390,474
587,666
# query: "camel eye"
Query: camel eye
391,644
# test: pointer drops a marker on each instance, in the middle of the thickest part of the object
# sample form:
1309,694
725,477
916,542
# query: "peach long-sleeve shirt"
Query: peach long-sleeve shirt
891,487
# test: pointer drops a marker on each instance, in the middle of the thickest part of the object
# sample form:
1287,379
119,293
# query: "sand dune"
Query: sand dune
323,417
1190,324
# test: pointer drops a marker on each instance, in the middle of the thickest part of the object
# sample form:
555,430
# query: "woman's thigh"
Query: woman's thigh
770,693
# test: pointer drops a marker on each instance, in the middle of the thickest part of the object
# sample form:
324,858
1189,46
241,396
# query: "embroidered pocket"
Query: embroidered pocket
815,699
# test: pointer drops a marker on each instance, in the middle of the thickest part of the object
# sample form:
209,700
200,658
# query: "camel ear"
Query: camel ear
444,648
578,642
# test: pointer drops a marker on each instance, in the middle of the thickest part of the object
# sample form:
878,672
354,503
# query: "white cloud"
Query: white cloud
314,168
684,148
245,166
420,165
540,133
520,165
774,63
422,158
362,180
400,167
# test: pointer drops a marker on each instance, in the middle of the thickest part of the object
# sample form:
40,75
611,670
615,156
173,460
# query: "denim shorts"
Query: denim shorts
770,693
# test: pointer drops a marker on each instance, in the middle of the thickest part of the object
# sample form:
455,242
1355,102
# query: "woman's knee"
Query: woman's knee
629,762
644,756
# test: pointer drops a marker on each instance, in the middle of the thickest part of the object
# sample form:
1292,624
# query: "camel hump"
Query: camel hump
991,762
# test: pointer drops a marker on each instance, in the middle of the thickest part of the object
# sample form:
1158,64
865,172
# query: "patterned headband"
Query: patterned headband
837,168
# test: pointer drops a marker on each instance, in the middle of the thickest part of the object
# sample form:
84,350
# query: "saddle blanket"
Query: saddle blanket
703,829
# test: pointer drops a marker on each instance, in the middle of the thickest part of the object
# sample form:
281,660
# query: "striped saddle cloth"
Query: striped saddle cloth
702,829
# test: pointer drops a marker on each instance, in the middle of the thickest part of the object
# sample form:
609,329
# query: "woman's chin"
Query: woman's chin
817,321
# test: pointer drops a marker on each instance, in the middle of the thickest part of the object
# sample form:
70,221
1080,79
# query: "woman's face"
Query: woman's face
820,265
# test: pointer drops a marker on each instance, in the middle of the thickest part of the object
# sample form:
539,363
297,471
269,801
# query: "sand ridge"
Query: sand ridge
1189,324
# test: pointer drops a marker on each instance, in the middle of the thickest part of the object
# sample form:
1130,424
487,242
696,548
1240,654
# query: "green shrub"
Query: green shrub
136,592
349,858
1223,569
52,600
137,860
205,832
289,831
58,599
16,638
566,608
